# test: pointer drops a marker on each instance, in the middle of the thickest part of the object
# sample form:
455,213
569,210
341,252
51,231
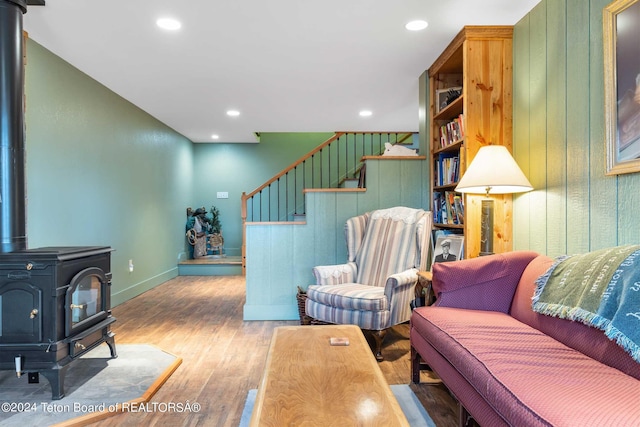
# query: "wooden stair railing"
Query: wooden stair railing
281,198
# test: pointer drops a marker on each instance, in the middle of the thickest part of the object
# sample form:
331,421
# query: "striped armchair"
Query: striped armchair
386,248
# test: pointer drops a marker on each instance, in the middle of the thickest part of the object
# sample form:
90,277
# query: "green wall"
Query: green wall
238,168
100,171
559,135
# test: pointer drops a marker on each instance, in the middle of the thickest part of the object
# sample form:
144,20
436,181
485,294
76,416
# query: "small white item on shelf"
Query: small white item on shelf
398,150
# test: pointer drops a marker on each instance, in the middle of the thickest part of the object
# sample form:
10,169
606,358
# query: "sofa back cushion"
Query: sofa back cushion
590,341
494,279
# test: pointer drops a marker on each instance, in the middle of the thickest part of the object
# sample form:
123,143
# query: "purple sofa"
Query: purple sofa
506,364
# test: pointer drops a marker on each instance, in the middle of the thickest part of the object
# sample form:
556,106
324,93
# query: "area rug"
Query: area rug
96,387
409,402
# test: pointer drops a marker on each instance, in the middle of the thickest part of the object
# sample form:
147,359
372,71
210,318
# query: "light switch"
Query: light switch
223,195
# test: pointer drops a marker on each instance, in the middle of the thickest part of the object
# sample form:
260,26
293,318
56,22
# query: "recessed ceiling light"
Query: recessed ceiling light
416,25
365,113
214,136
233,113
168,24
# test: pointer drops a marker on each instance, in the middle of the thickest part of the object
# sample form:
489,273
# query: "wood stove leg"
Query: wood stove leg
56,380
111,342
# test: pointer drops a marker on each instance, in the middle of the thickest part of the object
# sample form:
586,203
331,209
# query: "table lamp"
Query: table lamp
492,170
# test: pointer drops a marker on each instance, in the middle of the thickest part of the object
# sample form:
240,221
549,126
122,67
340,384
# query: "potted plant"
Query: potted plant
216,241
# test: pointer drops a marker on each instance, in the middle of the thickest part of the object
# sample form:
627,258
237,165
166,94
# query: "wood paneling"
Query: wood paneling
556,160
577,113
521,129
559,137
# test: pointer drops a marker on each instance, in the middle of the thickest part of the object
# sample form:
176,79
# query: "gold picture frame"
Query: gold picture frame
621,20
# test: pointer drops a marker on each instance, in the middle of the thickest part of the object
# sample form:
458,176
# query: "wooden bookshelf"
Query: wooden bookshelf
479,60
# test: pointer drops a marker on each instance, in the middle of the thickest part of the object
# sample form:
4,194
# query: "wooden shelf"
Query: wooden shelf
478,59
456,146
451,111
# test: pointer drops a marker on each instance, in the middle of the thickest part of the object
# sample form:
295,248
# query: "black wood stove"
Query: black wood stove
55,305
55,302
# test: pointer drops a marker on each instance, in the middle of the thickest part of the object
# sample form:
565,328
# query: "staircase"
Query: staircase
337,163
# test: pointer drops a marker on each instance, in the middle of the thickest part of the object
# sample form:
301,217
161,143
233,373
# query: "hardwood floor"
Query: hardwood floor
200,320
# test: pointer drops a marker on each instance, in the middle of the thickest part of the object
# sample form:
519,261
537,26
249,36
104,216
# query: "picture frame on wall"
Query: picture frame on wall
621,20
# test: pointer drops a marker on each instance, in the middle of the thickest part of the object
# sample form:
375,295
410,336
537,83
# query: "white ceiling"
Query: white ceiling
286,65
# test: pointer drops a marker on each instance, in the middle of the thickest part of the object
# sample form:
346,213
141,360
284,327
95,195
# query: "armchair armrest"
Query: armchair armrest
399,290
484,283
396,281
335,274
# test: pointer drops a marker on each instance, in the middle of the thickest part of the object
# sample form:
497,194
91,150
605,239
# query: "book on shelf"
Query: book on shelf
446,169
452,131
459,207
448,208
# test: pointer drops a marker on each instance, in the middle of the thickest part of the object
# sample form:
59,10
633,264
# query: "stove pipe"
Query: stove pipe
12,149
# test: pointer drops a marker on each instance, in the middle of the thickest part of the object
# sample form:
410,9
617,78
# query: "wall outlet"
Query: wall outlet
223,195
130,266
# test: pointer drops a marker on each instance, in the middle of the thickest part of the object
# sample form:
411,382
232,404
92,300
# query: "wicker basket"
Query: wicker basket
301,296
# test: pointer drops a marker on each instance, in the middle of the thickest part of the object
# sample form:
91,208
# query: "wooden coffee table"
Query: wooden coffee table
309,382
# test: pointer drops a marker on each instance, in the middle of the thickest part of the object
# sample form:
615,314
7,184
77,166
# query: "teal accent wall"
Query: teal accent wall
100,171
281,257
238,168
559,135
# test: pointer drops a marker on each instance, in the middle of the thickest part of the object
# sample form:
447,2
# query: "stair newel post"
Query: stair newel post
243,216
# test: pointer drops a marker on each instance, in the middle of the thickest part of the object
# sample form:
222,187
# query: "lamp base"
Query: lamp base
486,228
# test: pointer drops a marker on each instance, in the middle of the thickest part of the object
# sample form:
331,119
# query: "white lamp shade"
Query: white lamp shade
493,170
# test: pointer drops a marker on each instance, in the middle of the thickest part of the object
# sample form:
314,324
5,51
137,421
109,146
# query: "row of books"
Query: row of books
448,208
446,169
452,131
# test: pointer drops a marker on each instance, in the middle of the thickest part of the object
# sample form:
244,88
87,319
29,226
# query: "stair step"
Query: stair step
350,183
212,265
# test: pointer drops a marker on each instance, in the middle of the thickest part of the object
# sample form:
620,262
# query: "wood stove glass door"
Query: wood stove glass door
86,299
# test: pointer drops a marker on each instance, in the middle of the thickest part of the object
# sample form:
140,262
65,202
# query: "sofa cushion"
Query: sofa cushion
351,296
590,341
374,320
525,375
484,283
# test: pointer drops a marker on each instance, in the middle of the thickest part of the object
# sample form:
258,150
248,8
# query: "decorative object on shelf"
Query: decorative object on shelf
448,247
622,86
493,170
396,150
445,97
